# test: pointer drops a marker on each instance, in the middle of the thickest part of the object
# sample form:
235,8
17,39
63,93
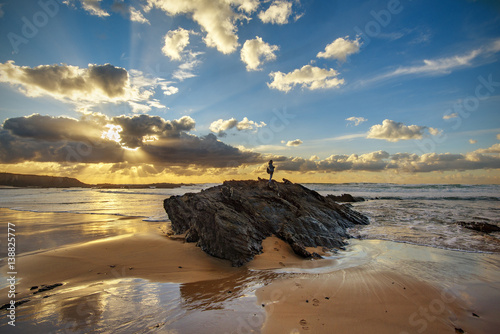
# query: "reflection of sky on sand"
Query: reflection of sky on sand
37,231
131,305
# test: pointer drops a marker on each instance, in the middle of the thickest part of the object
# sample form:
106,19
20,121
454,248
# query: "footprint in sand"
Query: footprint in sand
303,323
315,302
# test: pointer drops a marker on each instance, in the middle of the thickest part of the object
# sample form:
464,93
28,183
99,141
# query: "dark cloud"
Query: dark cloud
59,139
166,144
137,127
51,128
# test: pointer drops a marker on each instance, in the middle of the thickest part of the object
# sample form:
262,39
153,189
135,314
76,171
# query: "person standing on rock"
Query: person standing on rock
270,170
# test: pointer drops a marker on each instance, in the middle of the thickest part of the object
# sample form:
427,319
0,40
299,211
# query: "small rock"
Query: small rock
459,330
475,315
34,287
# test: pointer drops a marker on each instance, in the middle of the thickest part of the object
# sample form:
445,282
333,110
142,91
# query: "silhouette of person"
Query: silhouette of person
270,170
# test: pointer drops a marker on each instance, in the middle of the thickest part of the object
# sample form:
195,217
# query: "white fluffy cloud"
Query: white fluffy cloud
93,7
220,126
295,142
340,49
356,120
90,86
395,131
175,42
277,13
217,18
137,16
472,141
381,161
308,76
255,52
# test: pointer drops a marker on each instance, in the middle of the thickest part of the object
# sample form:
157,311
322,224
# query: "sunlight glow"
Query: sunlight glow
113,132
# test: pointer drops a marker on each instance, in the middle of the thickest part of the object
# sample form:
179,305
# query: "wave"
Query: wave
438,246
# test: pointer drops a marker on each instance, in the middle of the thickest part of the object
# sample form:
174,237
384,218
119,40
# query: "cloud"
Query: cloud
2,13
445,65
340,49
472,141
160,144
175,42
186,69
495,148
217,18
394,131
170,90
308,76
295,142
450,116
137,16
277,13
220,126
498,136
65,81
255,52
381,161
93,7
96,138
356,120
89,86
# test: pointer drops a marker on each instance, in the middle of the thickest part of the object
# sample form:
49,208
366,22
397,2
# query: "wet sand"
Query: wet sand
146,282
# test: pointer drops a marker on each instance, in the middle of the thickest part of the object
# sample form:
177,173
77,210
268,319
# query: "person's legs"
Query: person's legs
270,177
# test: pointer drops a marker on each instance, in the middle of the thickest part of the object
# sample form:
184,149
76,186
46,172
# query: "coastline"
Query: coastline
434,290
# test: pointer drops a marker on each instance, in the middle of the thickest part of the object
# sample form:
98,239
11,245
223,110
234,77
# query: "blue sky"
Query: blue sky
333,91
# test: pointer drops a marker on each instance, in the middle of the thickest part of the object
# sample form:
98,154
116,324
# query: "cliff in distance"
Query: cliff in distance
24,180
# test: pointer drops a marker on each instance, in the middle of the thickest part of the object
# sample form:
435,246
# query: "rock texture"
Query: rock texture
348,198
231,220
480,226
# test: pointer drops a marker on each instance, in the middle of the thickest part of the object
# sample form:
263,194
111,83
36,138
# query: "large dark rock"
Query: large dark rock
480,226
231,220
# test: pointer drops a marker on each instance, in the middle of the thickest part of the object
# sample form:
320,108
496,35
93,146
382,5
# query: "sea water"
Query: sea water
424,214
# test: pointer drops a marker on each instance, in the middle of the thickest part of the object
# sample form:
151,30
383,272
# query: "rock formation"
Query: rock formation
231,220
480,226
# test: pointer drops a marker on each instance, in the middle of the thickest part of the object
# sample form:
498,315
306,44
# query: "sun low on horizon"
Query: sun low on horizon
201,91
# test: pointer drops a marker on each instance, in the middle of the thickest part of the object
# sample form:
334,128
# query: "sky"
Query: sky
143,91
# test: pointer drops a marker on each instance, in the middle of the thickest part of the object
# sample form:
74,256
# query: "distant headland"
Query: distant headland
44,181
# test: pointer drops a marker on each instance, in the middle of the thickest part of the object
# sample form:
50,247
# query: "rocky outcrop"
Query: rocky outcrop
480,226
347,198
231,220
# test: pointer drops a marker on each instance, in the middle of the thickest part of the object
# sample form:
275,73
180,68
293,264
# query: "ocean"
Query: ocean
424,214
55,225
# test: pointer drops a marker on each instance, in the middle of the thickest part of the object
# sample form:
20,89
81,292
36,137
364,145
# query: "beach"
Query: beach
82,273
